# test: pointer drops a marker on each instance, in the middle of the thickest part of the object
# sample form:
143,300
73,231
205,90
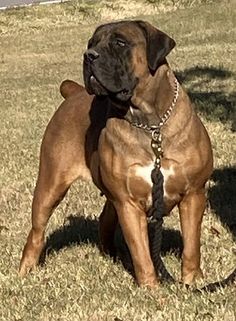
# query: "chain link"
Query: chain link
164,118
155,130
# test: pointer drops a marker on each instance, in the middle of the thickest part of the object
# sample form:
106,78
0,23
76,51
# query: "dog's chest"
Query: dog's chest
127,161
139,185
144,173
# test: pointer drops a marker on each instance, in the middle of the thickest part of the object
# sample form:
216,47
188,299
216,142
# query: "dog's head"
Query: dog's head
120,54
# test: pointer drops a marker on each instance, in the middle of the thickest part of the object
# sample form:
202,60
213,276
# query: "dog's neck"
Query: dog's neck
147,102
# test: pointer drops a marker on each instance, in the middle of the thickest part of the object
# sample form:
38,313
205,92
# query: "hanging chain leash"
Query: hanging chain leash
157,210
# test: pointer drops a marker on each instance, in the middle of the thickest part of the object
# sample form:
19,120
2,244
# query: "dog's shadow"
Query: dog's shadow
215,104
222,197
80,230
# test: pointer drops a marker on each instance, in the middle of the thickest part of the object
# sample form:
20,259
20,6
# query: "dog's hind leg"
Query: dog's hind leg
59,168
50,189
46,198
62,161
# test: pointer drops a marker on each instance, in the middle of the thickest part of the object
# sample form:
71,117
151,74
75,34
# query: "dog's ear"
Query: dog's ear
159,44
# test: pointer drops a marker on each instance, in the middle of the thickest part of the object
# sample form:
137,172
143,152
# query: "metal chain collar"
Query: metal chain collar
155,130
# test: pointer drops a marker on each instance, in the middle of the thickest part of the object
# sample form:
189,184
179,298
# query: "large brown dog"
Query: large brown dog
99,137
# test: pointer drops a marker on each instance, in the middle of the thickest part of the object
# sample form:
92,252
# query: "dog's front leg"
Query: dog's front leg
191,211
133,223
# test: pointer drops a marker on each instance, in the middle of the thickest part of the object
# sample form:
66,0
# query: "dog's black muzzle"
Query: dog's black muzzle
105,73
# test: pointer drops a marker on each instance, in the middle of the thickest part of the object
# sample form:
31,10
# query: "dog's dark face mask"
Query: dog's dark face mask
107,64
109,67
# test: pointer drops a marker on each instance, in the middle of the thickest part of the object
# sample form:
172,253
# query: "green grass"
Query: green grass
40,47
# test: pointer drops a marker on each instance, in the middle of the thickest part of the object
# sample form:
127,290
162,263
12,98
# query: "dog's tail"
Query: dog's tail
69,88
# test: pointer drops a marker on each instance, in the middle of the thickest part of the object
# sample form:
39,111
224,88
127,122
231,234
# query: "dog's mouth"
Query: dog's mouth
96,87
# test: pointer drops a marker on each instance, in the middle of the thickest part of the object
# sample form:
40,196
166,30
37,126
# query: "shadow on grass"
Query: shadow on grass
214,105
222,196
81,230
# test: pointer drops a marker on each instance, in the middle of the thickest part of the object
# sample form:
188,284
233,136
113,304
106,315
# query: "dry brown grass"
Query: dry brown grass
40,47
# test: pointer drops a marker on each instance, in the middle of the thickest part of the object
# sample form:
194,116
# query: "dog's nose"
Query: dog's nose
91,55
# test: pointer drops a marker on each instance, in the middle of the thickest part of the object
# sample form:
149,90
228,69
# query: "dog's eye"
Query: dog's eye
120,43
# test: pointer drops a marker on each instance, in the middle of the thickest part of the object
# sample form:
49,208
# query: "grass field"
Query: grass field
40,47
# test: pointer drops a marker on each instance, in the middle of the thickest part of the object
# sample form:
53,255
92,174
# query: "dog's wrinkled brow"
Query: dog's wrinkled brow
119,35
